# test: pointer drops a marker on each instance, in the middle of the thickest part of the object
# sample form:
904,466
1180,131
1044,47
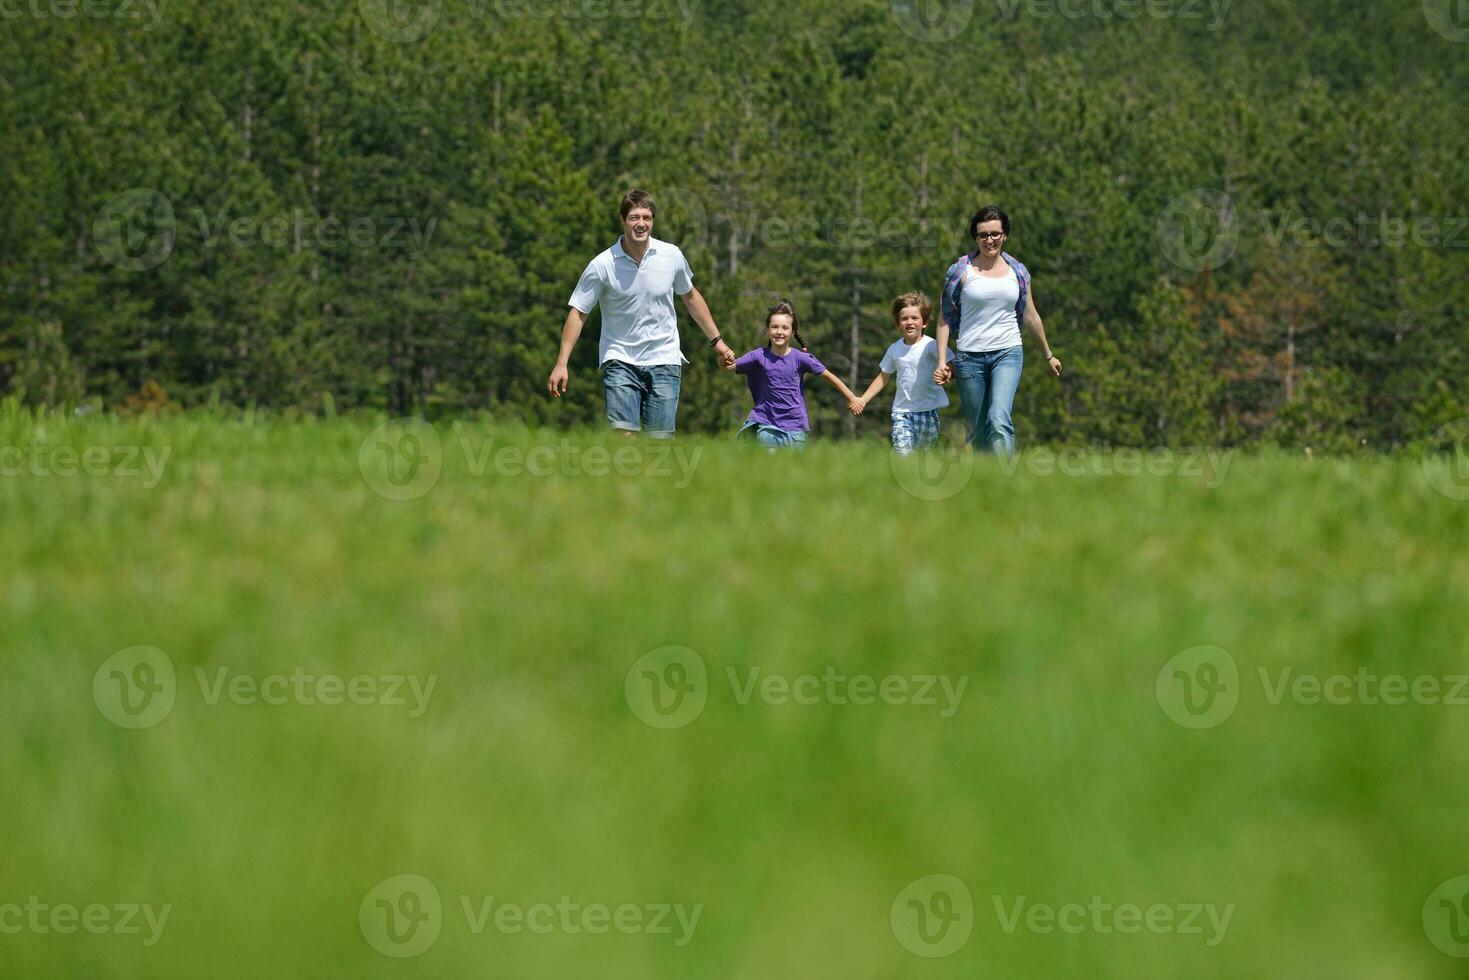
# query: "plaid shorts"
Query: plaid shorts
914,430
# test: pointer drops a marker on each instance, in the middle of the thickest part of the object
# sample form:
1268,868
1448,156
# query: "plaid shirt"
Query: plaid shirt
954,282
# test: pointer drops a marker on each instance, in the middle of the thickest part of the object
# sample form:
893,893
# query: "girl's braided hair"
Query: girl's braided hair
783,305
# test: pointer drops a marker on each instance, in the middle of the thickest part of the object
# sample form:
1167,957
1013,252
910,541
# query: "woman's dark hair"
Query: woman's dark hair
636,198
783,305
989,212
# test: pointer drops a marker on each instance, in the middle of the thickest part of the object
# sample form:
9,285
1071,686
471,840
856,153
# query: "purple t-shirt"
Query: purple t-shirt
775,384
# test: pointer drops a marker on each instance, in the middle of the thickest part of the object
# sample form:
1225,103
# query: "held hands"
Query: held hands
943,374
726,356
856,405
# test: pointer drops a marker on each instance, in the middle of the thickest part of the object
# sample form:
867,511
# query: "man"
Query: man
635,281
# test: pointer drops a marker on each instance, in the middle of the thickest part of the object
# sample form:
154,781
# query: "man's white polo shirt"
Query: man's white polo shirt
639,323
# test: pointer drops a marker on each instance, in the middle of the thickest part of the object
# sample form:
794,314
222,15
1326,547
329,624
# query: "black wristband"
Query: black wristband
715,340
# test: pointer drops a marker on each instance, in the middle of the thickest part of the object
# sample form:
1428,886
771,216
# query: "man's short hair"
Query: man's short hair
636,198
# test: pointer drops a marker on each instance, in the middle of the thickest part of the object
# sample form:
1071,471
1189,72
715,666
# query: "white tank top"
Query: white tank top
987,312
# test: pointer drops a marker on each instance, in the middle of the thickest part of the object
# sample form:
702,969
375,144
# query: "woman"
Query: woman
986,296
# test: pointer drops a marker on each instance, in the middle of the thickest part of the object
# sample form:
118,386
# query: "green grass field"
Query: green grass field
572,794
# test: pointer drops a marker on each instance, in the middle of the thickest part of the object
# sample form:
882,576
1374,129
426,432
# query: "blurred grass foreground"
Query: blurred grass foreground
335,698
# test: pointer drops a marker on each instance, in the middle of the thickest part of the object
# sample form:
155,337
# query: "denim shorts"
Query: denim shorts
773,438
642,398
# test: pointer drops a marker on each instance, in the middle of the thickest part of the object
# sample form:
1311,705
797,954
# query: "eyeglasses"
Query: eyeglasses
989,236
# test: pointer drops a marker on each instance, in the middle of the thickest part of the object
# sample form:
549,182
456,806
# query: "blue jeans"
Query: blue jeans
642,397
773,438
987,382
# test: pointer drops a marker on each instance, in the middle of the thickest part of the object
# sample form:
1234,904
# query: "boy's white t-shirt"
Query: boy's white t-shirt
914,365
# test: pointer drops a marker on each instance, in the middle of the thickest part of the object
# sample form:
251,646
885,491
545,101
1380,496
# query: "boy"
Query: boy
913,359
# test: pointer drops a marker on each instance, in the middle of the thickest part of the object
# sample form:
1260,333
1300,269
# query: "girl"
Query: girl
773,373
